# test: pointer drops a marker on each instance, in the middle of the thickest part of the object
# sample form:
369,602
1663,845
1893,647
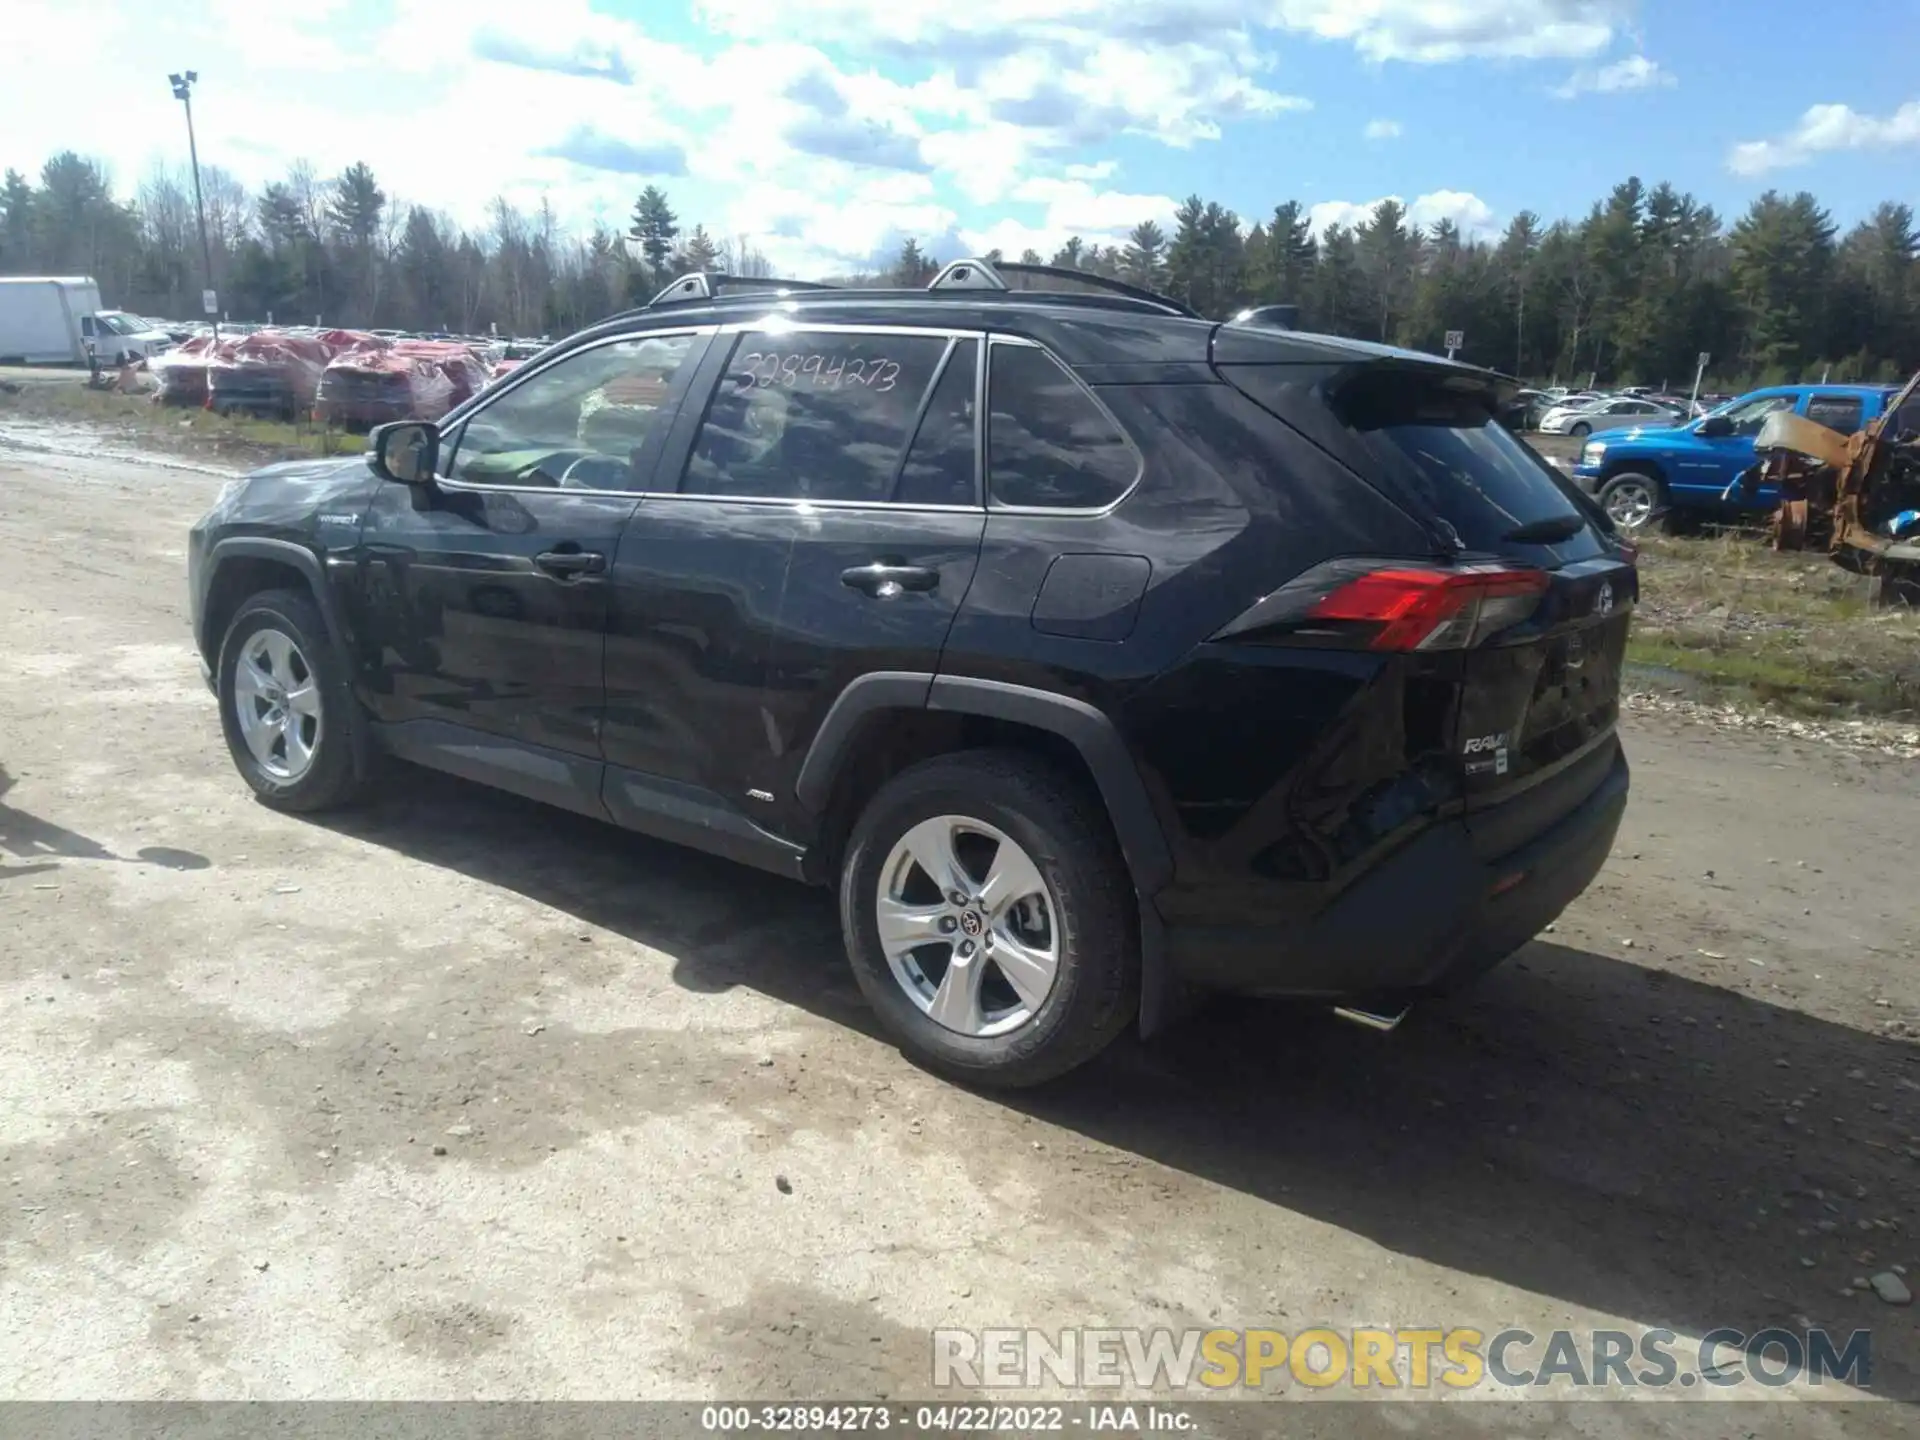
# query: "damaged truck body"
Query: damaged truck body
1857,496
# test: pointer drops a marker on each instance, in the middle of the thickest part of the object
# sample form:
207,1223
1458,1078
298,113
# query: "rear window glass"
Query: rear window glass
1445,447
1836,412
1048,442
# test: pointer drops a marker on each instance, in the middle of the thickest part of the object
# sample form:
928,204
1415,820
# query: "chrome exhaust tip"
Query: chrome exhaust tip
1372,1020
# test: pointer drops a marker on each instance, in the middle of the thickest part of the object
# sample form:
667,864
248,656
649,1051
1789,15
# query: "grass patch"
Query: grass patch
1727,619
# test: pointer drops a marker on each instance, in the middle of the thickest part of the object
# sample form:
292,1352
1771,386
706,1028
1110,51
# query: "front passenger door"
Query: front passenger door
485,597
1720,459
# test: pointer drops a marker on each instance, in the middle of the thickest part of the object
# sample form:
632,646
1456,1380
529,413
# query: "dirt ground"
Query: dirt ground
455,1097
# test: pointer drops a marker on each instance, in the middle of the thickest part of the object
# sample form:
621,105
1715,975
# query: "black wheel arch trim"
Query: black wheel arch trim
1090,732
286,552
313,569
882,690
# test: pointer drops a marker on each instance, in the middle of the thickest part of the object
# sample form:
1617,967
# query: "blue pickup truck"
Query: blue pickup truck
1643,477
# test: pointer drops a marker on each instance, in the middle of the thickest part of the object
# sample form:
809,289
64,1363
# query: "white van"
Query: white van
50,320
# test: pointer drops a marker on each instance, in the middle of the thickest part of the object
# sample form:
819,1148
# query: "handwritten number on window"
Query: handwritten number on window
766,369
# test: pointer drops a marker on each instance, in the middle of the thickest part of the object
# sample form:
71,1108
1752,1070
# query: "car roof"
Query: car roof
1114,331
1862,389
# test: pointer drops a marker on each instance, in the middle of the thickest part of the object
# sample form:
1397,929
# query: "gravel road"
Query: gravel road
454,1096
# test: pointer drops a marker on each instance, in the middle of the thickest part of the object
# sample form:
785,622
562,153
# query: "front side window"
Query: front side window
580,424
1049,443
812,415
1749,417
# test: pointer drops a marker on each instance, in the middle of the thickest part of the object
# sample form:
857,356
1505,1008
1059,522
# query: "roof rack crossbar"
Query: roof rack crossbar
708,284
985,275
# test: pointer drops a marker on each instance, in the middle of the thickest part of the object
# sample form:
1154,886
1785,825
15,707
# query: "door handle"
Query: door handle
571,564
884,581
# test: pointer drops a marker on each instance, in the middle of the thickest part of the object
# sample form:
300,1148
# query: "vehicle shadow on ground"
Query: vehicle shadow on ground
1578,1127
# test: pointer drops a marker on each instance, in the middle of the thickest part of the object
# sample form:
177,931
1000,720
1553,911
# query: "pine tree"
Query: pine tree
702,255
16,222
1389,255
1143,262
655,227
912,270
1782,253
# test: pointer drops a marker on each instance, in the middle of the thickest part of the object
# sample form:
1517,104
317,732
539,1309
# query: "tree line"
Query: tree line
1632,292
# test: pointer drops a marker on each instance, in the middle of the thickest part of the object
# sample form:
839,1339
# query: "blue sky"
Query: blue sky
826,130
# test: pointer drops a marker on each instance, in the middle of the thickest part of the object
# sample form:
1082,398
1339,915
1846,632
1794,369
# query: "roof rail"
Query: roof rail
984,275
707,285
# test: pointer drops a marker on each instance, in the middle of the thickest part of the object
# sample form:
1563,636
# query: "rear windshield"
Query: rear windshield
1445,447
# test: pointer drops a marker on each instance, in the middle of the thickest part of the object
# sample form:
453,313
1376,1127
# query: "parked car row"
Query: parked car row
1579,413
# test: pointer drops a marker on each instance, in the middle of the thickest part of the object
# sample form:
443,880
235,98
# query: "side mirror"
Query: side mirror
407,451
1714,427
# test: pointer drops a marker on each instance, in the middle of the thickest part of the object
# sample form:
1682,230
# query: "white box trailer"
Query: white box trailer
49,320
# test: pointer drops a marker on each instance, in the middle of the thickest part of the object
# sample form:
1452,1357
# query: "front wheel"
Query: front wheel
1632,501
990,919
285,704
1581,431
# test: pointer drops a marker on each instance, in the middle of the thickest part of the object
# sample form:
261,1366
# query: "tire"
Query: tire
1631,493
1091,920
324,721
1581,431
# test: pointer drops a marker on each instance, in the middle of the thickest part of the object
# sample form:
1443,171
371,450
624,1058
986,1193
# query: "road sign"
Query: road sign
209,302
1705,359
1456,339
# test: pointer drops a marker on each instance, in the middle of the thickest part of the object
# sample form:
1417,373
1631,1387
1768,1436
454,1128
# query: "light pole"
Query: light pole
183,92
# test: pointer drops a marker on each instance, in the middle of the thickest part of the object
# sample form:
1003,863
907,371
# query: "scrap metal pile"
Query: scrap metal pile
342,377
1856,496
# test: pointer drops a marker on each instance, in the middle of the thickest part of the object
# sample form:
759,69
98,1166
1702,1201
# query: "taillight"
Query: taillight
1381,605
1434,609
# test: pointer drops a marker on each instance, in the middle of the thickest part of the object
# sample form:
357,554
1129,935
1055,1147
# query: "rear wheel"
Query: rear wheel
1633,501
990,919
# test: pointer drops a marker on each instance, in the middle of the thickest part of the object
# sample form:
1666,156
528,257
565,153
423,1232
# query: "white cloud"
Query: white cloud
1070,207
1076,207
1828,127
1418,31
1473,215
1098,170
1383,130
1634,72
1442,31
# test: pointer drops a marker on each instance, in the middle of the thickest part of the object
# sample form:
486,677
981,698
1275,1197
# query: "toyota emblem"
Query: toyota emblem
1603,602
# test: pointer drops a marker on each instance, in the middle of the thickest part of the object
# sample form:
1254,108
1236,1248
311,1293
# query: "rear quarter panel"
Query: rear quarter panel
1231,504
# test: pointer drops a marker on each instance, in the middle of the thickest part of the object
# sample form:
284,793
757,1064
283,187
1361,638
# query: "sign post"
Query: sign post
1456,341
1699,371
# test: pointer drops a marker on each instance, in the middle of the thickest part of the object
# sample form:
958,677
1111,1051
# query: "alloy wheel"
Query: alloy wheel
276,699
1630,504
968,925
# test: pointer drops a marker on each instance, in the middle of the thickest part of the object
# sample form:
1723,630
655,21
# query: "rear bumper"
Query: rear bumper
1429,919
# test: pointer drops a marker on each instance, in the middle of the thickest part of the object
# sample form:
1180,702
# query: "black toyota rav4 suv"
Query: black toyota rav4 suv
1098,654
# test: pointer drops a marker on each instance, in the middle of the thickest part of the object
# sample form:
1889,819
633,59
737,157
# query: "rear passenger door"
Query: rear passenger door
826,524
